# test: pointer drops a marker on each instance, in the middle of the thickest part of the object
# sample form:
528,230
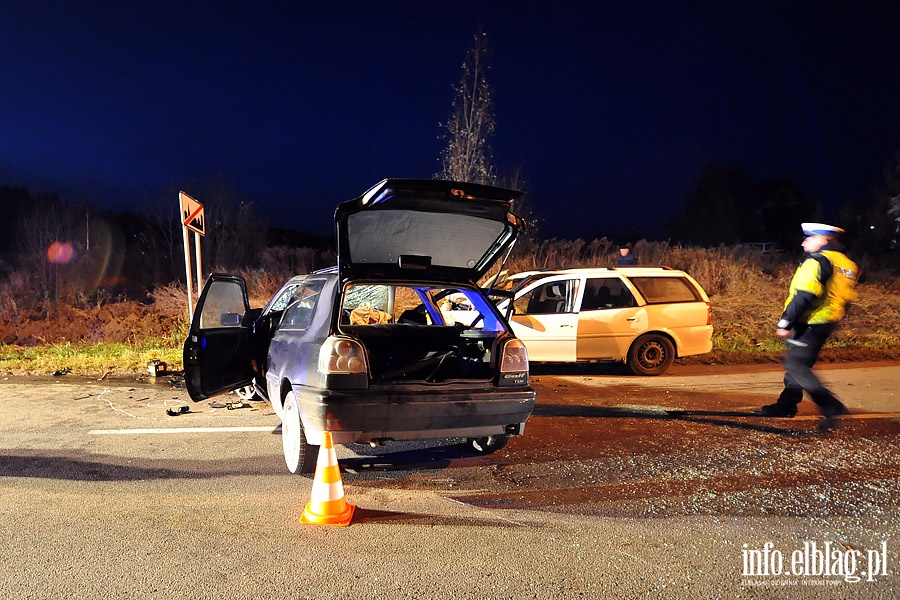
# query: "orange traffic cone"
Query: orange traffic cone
327,505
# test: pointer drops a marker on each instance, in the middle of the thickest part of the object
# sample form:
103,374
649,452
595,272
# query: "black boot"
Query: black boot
779,410
833,409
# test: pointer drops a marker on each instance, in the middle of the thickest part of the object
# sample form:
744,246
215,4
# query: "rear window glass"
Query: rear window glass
659,290
449,240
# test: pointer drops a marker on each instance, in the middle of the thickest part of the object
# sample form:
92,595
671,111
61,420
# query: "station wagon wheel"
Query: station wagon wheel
486,445
651,355
299,455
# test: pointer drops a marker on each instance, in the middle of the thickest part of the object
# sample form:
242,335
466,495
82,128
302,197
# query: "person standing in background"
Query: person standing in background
625,257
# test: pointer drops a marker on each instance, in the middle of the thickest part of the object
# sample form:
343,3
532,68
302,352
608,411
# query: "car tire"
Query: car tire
486,445
651,355
299,455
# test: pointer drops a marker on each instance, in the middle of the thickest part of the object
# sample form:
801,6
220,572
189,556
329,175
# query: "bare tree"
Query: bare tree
235,234
161,239
46,243
467,156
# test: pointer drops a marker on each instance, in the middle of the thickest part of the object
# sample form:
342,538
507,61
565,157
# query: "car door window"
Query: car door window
550,298
608,292
283,299
223,307
299,311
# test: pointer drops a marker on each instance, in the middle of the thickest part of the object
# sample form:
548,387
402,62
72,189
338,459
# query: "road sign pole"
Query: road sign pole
187,271
199,264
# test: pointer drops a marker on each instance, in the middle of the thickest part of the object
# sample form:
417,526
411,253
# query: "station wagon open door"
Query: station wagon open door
219,347
544,318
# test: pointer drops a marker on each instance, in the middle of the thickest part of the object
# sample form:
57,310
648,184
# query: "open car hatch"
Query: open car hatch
425,229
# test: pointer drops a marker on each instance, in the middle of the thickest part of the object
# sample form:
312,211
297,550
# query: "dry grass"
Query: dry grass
746,292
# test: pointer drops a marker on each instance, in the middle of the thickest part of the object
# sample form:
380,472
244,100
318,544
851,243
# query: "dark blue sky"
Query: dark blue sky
610,112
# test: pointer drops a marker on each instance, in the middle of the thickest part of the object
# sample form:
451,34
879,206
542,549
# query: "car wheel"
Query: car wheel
486,445
651,355
299,456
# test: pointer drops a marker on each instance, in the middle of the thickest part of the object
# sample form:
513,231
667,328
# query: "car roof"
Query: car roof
630,270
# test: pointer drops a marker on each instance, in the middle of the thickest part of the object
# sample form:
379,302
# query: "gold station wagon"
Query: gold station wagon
642,316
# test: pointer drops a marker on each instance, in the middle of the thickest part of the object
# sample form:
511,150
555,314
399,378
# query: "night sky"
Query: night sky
610,112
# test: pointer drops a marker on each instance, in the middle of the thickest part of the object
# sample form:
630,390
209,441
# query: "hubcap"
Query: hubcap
652,355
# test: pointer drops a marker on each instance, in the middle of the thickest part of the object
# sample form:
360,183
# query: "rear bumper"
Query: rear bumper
415,414
694,340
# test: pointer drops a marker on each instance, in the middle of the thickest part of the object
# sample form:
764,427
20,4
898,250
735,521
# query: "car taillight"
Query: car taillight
341,355
514,358
708,314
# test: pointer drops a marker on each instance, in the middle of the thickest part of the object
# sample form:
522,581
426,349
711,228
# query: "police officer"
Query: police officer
820,290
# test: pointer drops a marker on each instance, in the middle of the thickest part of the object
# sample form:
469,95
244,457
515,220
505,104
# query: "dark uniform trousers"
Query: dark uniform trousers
802,351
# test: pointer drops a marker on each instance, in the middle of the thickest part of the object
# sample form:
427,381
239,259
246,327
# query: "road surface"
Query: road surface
621,487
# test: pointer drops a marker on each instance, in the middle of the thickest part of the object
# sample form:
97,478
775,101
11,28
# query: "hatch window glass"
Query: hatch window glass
446,239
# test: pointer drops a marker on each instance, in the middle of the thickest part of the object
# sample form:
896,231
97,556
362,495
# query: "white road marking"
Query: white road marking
170,430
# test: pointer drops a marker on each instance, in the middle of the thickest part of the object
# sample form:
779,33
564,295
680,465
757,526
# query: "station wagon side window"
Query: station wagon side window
662,290
554,297
299,311
606,292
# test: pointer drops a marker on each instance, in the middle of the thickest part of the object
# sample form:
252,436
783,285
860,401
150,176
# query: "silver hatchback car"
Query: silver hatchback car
363,350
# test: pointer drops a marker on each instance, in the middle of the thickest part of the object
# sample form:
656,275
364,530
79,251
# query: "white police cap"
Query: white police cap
821,229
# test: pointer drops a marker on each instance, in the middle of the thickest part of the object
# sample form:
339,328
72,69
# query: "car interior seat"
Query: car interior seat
413,316
603,298
556,299
551,299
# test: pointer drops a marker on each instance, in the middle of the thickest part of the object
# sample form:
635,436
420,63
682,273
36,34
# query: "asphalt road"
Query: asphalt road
621,487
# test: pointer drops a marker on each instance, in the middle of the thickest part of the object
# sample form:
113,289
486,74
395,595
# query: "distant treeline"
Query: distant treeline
52,250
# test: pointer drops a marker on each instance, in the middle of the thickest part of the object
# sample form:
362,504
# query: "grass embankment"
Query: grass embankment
746,292
96,360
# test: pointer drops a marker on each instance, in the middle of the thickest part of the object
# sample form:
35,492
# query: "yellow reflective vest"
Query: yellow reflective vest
832,290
